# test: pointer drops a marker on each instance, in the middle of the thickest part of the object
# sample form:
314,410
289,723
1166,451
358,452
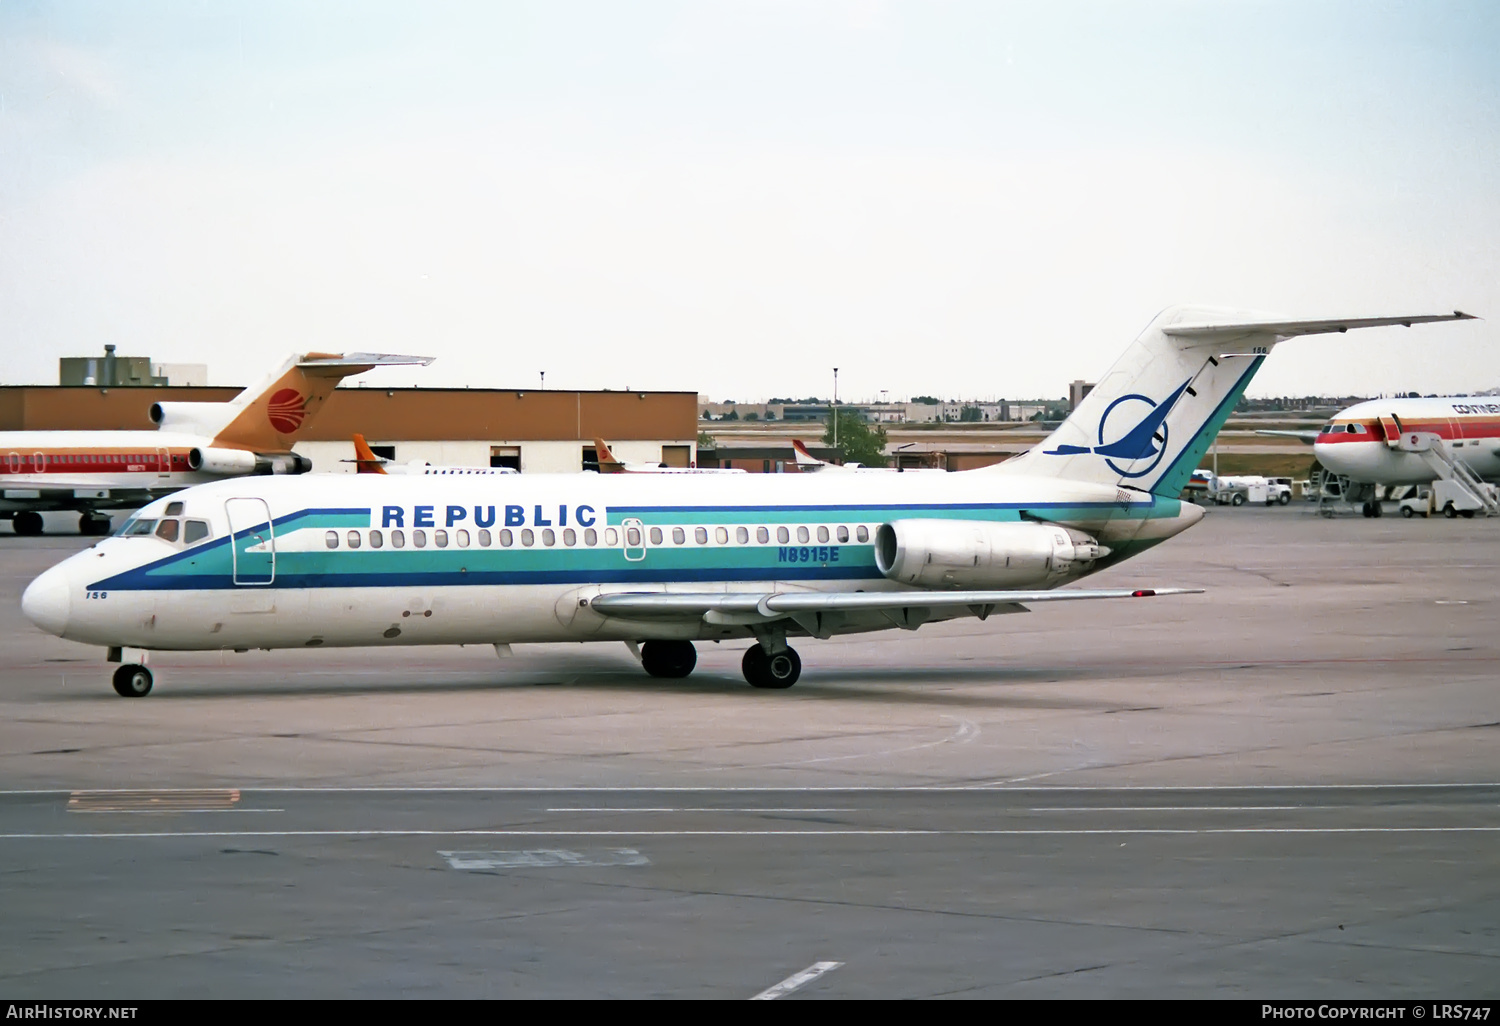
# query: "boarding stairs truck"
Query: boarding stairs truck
1457,490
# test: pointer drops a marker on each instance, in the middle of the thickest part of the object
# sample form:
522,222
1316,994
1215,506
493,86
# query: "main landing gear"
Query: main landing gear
27,523
133,681
93,525
670,659
771,669
673,659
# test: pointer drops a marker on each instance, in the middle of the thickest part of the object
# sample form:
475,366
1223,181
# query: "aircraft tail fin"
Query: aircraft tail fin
607,462
1149,421
806,460
365,460
269,415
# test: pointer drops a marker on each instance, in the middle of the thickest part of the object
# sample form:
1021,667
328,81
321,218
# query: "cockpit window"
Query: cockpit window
194,531
137,526
167,530
174,509
1329,429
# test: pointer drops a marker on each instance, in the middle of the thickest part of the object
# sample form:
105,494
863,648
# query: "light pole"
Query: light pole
833,411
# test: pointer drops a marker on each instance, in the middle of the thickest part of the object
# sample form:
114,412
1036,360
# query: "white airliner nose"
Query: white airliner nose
47,599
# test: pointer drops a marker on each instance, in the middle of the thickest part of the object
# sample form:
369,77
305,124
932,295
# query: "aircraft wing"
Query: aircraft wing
1308,437
1288,329
904,608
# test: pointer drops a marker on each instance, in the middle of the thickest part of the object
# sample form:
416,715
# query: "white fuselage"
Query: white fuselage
381,560
1355,443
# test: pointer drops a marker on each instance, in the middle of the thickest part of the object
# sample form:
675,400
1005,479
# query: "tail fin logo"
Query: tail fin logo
286,410
1146,439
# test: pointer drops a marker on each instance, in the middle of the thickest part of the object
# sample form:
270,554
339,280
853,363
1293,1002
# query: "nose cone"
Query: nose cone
47,599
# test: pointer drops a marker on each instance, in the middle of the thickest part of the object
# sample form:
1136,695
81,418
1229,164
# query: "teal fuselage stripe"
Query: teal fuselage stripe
211,565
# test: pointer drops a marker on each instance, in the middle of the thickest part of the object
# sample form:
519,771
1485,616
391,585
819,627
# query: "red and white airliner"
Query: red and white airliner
253,433
1409,441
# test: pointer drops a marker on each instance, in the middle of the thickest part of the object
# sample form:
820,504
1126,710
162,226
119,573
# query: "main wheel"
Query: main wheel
93,526
780,670
669,658
133,681
27,522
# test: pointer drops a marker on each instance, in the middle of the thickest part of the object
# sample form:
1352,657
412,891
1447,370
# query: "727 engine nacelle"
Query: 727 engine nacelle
982,555
238,462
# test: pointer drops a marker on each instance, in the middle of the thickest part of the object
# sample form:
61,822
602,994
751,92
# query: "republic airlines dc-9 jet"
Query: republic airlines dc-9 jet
662,561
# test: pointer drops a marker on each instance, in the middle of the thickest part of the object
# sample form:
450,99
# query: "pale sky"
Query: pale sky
963,199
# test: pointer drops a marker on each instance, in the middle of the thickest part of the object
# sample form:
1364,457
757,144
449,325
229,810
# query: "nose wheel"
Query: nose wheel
778,670
133,681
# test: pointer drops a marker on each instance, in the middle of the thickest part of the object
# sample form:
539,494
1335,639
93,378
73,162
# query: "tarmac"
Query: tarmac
1285,788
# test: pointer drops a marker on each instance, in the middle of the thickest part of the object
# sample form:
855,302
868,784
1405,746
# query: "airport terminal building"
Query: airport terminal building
546,431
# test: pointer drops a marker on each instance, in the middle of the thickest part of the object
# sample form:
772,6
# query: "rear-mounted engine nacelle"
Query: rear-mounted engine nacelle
979,554
235,462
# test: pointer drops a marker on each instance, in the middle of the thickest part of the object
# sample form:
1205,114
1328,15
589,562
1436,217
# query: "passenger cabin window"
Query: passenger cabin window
843,533
822,534
375,540
353,539
549,537
195,531
461,537
700,535
742,535
167,530
419,539
762,535
484,539
590,536
721,535
331,539
678,537
440,539
570,537
398,539
528,539
612,537
861,533
802,535
655,536
782,535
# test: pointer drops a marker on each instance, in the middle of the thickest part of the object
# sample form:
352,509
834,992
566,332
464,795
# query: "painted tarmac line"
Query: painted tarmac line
796,980
752,808
874,832
765,789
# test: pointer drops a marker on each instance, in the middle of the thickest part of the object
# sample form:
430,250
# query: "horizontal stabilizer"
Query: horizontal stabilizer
775,605
1288,329
362,360
1308,437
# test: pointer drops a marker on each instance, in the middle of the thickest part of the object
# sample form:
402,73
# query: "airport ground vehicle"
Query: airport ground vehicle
662,561
1236,491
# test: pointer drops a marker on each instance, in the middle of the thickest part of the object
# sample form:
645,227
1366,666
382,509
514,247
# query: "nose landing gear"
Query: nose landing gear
133,681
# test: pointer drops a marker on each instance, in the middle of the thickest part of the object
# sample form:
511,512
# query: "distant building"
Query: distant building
112,371
1077,390
550,431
